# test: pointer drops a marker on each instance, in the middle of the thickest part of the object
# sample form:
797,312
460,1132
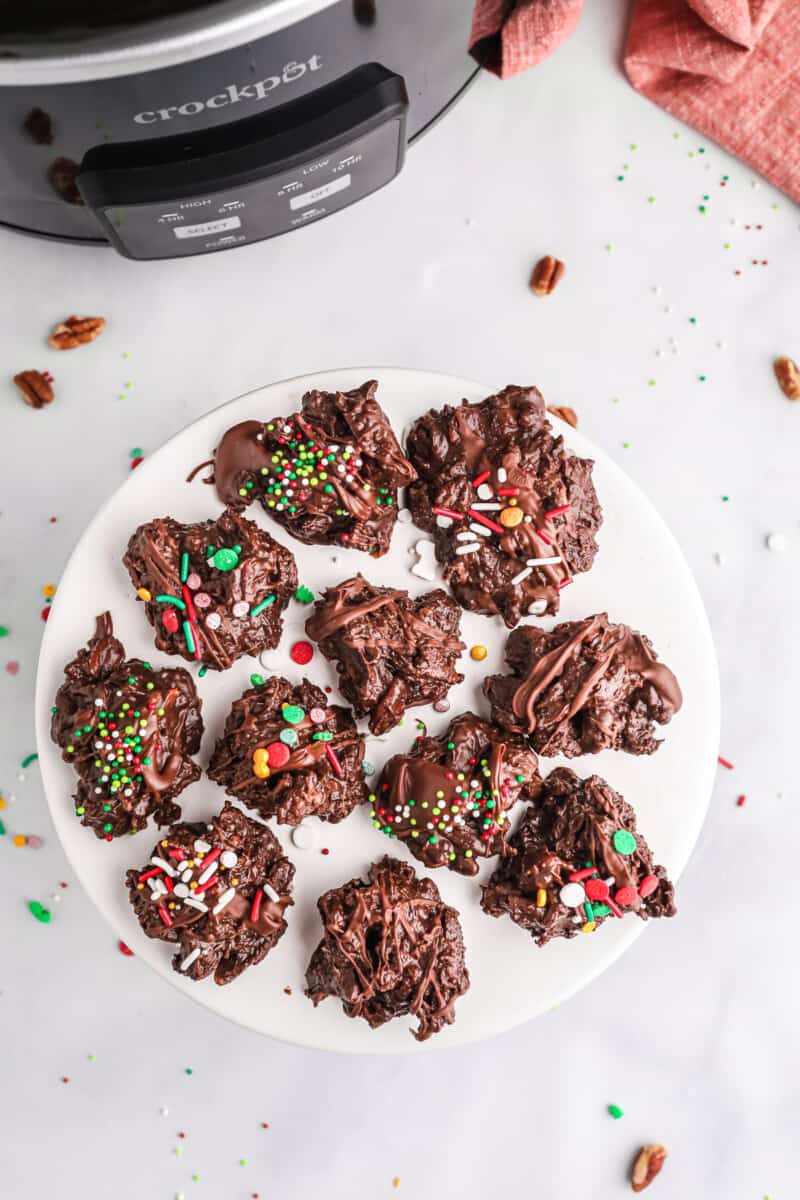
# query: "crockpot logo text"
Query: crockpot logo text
233,94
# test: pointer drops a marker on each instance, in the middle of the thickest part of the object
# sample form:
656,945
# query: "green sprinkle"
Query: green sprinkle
615,1111
702,378
165,599
726,498
624,842
257,681
28,759
189,1071
259,608
137,452
304,595
651,199
203,671
184,566
692,320
39,911
2,829
651,382
293,713
3,631
187,633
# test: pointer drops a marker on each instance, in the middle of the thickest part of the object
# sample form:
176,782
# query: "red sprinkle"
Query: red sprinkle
509,491
648,885
479,479
187,597
625,896
741,801
556,512
333,760
135,462
482,520
302,653
448,512
65,1078
541,533
256,905
45,612
723,762
149,874
123,949
577,876
169,620
564,583
165,917
325,850
596,889
614,907
277,754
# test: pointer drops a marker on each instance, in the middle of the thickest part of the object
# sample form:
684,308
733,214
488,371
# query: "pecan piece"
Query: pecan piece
36,387
547,274
787,374
62,174
75,331
566,414
649,1162
39,126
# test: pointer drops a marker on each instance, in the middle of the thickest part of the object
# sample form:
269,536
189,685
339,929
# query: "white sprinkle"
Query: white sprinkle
156,886
481,530
485,492
659,353
187,875
777,541
224,901
572,894
722,344
425,566
229,858
543,562
181,890
304,837
464,536
538,607
487,507
191,957
404,515
198,904
99,703
502,474
667,308
269,890
657,289
163,1112
522,575
159,862
719,558
209,871
468,549
444,522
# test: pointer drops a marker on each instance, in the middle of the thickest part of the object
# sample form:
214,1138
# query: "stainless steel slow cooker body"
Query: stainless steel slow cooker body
143,102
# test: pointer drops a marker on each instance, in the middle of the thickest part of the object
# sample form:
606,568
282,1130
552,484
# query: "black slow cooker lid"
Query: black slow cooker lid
66,18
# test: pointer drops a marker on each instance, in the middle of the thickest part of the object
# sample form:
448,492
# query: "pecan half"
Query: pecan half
62,176
39,126
566,414
787,374
75,331
547,274
649,1162
36,387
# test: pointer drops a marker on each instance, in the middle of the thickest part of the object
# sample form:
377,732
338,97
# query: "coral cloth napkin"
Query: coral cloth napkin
730,68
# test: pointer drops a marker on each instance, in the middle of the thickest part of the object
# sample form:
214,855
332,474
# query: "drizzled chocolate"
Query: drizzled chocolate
129,730
219,891
513,515
585,686
578,862
288,753
391,652
449,799
213,591
328,474
390,948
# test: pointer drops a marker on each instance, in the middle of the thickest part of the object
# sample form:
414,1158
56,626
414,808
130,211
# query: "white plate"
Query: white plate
640,577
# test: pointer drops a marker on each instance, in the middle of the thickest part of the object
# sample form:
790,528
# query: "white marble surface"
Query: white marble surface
693,1033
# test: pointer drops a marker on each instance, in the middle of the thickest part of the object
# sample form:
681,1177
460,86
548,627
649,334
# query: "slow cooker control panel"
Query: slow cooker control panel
255,178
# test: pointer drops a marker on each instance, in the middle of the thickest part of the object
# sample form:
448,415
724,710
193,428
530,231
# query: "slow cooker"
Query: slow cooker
178,127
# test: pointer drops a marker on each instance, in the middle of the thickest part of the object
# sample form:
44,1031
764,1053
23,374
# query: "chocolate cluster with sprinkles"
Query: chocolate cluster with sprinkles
219,892
213,591
129,730
449,799
391,651
512,514
390,948
582,687
287,753
578,861
328,474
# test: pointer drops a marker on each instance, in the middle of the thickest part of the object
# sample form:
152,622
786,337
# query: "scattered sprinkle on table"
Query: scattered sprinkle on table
39,911
775,541
723,762
396,1181
479,653
301,653
615,1111
4,631
188,1071
741,801
304,595
28,759
123,949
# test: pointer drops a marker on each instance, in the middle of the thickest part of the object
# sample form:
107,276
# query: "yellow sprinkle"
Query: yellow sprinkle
589,927
541,898
510,517
396,1181
2,803
20,839
49,589
164,842
143,594
478,653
